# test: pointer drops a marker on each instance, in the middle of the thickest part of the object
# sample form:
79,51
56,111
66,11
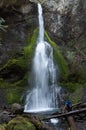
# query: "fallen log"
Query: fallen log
80,104
72,122
66,114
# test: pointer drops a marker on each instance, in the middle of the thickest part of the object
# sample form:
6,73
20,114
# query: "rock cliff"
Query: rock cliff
65,22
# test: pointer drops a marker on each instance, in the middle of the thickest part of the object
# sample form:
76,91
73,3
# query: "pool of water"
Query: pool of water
43,111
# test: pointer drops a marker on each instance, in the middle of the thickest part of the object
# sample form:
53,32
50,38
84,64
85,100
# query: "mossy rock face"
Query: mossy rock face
59,59
30,49
20,123
15,69
75,91
75,55
14,73
13,95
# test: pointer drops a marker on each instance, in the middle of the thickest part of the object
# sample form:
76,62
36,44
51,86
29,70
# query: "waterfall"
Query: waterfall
41,24
43,96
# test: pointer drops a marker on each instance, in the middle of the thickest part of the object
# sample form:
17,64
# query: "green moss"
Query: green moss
20,123
13,95
2,127
15,88
39,125
59,58
75,54
29,50
77,95
3,84
19,62
19,83
13,91
81,75
71,87
75,91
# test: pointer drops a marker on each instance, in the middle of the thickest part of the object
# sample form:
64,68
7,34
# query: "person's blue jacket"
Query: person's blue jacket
68,103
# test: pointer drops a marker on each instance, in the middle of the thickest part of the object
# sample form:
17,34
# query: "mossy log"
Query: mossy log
83,110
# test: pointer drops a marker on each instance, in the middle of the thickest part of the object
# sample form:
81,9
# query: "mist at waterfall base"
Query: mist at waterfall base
44,93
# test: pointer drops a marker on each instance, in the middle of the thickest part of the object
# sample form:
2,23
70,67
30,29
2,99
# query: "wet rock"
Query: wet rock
65,19
4,117
16,108
26,8
2,98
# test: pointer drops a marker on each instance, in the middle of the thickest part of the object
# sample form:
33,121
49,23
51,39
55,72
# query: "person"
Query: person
68,105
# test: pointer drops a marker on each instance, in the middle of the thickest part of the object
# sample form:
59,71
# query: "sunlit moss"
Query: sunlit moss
20,123
2,127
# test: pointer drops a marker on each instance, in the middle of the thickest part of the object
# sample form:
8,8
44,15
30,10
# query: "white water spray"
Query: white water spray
43,95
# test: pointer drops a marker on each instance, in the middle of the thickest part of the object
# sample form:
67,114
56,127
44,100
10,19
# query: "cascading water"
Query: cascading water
44,93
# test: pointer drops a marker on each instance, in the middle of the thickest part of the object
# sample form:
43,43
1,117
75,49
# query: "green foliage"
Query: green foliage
20,123
59,58
14,91
81,76
2,127
70,55
13,95
75,91
71,87
77,95
3,84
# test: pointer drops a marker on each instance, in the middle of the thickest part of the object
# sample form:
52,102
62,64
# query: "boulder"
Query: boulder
17,108
20,123
4,117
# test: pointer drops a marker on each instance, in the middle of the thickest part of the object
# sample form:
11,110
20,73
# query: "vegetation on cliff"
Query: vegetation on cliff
59,59
14,74
15,71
